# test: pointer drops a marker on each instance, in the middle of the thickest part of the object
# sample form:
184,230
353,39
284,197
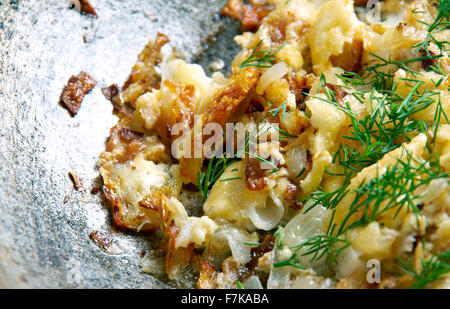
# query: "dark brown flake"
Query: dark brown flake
351,58
77,87
290,196
95,190
111,91
254,175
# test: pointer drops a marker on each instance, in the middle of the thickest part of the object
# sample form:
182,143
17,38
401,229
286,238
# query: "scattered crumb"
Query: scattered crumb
111,91
77,87
77,183
95,190
101,240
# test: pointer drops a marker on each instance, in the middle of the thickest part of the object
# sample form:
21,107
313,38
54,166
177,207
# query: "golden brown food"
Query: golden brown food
336,171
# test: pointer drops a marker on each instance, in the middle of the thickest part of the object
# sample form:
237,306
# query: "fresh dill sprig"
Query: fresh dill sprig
441,22
292,261
279,235
228,179
215,169
253,244
388,124
431,270
262,59
394,190
240,285
321,197
302,171
324,245
438,114
401,64
273,112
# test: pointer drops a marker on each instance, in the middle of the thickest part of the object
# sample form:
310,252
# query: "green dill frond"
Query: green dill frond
253,244
292,261
324,245
431,270
239,285
394,190
302,171
279,235
274,111
322,198
262,59
214,170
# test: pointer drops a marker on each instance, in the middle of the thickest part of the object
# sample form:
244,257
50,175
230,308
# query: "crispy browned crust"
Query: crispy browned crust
250,15
117,216
128,135
77,87
426,64
121,134
156,201
229,97
223,105
290,196
350,59
117,205
231,269
95,189
253,15
256,253
111,91
298,87
254,175
176,258
144,71
181,111
339,92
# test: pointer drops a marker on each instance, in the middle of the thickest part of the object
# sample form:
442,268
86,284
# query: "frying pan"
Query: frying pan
44,223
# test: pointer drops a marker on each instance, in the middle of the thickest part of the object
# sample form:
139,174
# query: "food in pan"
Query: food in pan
340,179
